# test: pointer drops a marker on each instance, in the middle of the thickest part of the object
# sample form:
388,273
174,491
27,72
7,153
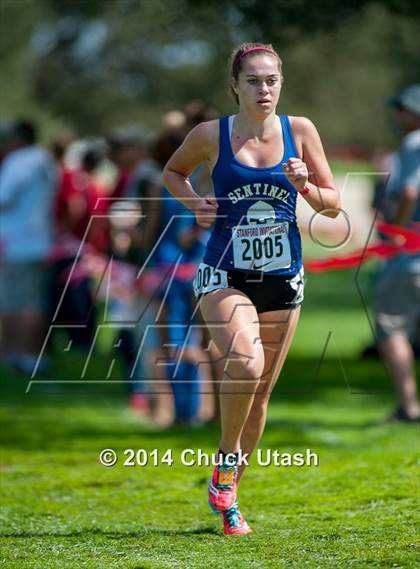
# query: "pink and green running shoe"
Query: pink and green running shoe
233,521
222,487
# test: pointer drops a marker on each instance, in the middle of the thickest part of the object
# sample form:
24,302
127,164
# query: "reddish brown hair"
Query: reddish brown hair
240,53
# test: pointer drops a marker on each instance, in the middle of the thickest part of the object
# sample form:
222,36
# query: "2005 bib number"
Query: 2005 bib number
261,247
209,278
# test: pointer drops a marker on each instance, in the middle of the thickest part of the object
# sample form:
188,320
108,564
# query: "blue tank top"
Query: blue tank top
256,229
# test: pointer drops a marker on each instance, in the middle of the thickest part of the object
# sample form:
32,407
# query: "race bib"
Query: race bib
264,247
209,278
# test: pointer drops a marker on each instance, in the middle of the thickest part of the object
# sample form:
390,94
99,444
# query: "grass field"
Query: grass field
62,509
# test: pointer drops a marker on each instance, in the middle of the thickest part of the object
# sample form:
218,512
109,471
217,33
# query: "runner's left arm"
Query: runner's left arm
311,174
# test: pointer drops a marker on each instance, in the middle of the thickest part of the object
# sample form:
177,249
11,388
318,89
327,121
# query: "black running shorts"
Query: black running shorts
266,292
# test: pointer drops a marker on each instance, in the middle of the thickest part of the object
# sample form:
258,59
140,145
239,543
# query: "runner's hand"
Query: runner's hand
296,172
205,210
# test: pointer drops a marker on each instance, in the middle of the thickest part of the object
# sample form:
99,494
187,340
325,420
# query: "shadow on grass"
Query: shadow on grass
86,533
97,417
324,423
302,379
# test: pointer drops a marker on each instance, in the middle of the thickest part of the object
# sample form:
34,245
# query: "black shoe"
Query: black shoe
370,353
401,415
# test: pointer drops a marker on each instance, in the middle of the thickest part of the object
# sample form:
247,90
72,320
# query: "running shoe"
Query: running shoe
222,487
233,521
400,414
139,403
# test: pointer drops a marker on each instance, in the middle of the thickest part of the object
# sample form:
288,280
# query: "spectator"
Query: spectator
383,203
397,306
78,195
27,186
178,253
6,130
60,143
139,180
75,205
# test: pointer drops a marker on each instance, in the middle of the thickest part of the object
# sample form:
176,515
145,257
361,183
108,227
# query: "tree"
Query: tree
96,64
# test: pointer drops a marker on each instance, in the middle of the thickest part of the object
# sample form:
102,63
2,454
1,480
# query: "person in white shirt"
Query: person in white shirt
27,187
397,295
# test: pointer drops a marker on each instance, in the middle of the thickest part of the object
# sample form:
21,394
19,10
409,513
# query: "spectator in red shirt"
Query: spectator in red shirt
77,201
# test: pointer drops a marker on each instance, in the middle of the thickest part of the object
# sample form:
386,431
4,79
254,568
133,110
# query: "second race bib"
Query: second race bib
209,278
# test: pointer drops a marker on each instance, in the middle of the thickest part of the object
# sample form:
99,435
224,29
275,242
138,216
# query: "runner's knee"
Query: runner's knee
245,367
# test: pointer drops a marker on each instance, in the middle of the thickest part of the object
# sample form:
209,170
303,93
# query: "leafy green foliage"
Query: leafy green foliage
96,64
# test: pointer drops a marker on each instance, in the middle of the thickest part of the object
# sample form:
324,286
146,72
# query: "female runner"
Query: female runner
250,283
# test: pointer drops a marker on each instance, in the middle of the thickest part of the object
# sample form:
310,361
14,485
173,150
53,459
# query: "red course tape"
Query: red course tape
401,240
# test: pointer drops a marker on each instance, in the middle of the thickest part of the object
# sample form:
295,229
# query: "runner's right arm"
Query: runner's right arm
198,147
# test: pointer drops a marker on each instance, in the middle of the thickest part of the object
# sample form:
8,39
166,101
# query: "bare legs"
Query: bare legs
276,331
23,333
399,358
255,347
234,327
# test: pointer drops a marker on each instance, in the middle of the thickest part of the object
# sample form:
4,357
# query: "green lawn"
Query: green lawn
62,509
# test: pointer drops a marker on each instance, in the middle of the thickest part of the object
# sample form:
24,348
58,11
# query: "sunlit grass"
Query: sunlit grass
62,508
